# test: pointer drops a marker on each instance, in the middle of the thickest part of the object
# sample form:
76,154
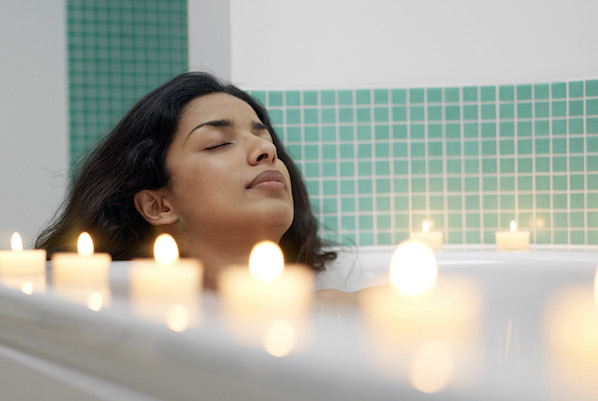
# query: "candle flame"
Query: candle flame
84,244
27,287
16,243
165,249
513,226
266,261
425,226
178,318
413,268
280,338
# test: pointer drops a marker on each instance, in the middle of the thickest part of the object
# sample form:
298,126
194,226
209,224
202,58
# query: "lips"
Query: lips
270,179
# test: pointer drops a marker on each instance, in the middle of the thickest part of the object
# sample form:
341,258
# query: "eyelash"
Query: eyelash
217,146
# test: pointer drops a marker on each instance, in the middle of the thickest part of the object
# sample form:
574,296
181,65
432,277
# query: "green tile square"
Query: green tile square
542,146
382,168
490,219
488,93
488,112
576,126
592,237
524,146
313,187
541,109
275,98
347,133
348,222
453,130
329,169
561,237
559,109
576,89
382,132
559,164
489,166
452,113
592,182
542,164
455,237
363,96
434,95
592,87
453,166
576,145
506,92
381,114
434,113
507,146
417,131
260,96
383,222
418,167
401,203
364,115
470,94
559,127
592,106
345,115
293,134
524,165
561,220
310,116
381,96
311,152
472,184
399,149
276,116
451,95
470,130
593,219
577,201
294,151
417,113
524,92
382,150
541,91
418,149
328,97
293,98
542,127
418,185
524,183
401,167
329,152
328,115
453,184
418,202
399,113
435,131
366,204
310,98
525,201
489,183
455,202
382,186
364,186
559,90
348,188
488,148
416,95
507,165
507,129
453,148
507,110
592,126
364,150
575,108
489,130
542,201
328,133
576,219
542,183
592,143
435,149
311,170
576,182
592,163
471,148
559,201
524,128
559,183
472,166
399,96
507,202
436,185
470,112
472,202
345,97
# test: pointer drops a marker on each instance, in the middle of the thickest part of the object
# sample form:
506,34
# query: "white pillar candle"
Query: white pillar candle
433,239
22,262
512,240
85,266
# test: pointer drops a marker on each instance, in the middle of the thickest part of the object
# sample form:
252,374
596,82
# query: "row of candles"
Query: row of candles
421,327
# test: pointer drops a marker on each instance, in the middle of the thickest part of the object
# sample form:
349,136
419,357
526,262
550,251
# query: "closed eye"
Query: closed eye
217,146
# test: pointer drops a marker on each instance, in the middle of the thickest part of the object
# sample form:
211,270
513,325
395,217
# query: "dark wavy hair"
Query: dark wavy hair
132,158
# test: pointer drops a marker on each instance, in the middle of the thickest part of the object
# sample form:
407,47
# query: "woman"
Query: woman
197,159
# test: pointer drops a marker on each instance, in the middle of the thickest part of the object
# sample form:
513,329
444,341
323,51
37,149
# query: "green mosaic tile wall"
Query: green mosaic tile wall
470,159
118,50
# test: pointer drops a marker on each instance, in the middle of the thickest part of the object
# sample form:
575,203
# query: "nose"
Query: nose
262,151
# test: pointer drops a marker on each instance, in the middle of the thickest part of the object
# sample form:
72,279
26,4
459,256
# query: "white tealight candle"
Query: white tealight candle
432,238
85,266
19,262
419,314
512,240
266,297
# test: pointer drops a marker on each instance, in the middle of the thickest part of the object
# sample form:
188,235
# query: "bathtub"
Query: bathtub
54,349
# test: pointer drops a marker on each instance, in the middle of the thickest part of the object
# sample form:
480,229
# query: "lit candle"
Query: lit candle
512,240
267,304
85,266
165,289
432,238
571,342
419,316
19,262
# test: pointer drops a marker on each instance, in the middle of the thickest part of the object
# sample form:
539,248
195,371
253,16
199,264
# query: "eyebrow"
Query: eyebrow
257,125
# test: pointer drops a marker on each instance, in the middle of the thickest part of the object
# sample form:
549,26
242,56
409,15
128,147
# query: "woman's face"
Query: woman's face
226,181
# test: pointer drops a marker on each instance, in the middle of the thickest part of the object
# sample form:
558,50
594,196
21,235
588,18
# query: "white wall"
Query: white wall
403,43
33,115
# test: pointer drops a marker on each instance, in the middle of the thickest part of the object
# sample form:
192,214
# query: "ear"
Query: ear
154,207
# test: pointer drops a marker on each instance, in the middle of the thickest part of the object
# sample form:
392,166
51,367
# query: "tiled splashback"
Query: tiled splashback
470,159
118,50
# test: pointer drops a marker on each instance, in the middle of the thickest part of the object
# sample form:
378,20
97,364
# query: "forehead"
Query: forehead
216,106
